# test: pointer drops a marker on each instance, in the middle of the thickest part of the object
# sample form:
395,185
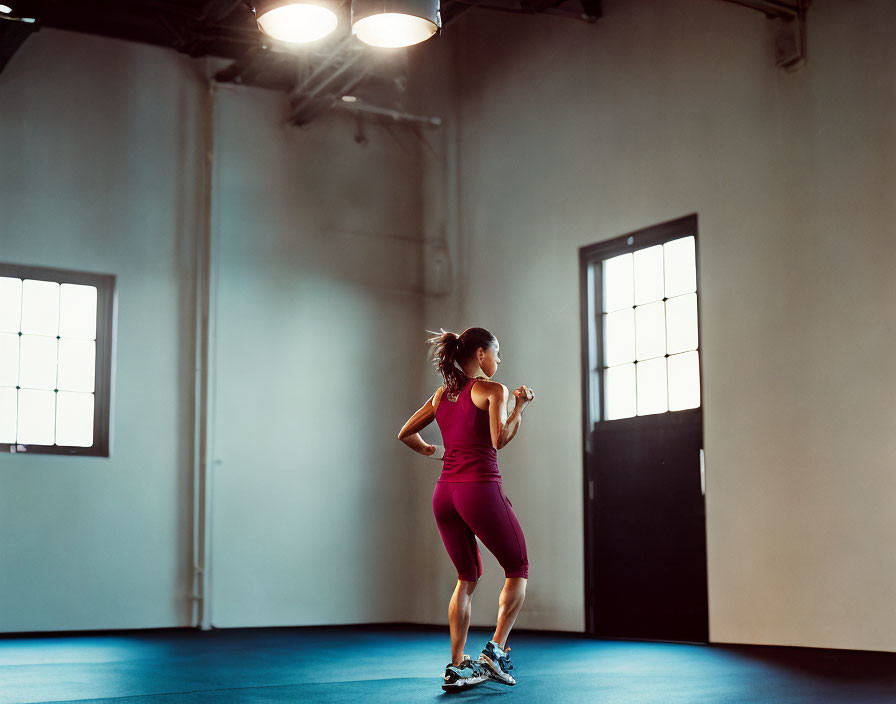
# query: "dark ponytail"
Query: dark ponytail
450,351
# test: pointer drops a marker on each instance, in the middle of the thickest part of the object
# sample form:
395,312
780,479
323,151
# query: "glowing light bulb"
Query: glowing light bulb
391,29
298,22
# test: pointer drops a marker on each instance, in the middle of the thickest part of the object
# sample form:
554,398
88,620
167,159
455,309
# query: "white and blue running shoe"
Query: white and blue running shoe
460,677
497,663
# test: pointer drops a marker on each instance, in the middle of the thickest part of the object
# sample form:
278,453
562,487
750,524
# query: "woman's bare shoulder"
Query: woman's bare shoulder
488,389
436,396
490,385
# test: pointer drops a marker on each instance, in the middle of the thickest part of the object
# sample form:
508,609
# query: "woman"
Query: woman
468,500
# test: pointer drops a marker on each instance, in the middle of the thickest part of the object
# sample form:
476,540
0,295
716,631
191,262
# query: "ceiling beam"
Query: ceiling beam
590,12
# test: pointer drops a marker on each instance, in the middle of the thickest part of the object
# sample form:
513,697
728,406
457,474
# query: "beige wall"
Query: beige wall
569,134
98,171
318,267
317,270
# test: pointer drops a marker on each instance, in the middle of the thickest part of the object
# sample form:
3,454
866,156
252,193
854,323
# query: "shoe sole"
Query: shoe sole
498,675
466,684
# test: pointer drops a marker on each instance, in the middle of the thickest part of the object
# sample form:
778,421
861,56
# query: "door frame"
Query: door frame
634,240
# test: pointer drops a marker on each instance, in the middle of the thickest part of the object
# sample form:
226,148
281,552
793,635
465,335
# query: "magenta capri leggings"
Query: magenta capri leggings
467,510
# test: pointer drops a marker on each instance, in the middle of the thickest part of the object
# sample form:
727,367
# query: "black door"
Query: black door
645,542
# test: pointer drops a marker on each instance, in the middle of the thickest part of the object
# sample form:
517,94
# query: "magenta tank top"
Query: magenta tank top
469,454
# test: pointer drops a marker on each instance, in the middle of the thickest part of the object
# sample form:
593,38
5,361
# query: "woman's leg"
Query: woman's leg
488,511
460,542
459,610
509,604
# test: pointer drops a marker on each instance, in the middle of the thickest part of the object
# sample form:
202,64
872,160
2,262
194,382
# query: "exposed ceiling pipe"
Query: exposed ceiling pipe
396,115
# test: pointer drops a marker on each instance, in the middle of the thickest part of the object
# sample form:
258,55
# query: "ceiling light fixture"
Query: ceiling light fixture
293,21
395,23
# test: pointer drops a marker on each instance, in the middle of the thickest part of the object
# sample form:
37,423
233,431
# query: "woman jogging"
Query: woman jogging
468,500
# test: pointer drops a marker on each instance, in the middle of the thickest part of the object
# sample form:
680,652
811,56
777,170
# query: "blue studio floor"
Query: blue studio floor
392,664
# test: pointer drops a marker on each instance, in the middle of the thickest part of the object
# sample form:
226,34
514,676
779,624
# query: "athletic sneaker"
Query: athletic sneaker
497,663
460,677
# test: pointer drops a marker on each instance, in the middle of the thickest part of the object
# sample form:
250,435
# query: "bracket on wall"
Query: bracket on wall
790,37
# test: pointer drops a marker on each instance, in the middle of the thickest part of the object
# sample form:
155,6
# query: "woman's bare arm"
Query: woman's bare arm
502,426
410,433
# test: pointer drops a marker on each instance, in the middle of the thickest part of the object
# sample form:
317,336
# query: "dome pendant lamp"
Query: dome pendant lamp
296,21
395,23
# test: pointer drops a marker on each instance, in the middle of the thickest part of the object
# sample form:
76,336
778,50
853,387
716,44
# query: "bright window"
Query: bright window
650,331
55,368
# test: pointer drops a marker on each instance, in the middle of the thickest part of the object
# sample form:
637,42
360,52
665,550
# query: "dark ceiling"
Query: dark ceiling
314,76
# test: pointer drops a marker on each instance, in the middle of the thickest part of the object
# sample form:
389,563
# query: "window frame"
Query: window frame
591,273
106,305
